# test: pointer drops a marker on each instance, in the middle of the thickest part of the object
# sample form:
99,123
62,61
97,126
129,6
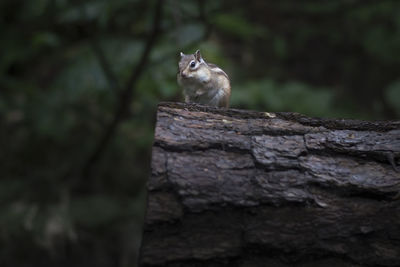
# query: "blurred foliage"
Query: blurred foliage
63,67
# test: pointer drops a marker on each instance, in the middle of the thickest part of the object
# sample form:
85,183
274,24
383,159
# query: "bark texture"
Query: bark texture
241,188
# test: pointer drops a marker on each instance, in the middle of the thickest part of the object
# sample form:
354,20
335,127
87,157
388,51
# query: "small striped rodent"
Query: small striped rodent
203,82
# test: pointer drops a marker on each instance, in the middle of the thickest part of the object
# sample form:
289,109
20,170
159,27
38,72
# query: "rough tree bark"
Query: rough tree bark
242,188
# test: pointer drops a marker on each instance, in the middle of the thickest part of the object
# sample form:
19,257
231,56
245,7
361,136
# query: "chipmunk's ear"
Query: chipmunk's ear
182,54
198,57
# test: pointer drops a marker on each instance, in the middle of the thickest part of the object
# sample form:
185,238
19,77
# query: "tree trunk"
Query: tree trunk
242,188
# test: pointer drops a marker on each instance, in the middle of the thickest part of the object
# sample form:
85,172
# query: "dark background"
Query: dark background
80,82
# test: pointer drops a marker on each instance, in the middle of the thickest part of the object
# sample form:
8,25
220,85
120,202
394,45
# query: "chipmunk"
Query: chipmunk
203,82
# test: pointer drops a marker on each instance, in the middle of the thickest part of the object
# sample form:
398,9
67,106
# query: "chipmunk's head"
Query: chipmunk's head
189,65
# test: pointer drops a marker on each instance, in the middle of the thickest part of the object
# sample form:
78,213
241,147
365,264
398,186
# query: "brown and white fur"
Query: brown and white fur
203,82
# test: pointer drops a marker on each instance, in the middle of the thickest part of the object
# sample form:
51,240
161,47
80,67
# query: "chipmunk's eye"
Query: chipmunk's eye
192,64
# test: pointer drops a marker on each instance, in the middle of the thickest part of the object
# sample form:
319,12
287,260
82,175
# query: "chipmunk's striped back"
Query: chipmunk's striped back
217,70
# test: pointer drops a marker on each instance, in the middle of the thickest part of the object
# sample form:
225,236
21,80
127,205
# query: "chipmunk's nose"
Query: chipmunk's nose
183,74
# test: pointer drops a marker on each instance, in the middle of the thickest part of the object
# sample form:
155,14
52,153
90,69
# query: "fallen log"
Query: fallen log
242,188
